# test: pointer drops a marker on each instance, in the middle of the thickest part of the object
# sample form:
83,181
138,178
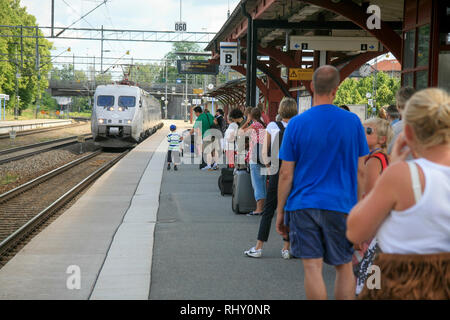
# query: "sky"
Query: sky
158,15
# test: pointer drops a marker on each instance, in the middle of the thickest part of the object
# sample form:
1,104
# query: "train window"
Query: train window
105,101
127,101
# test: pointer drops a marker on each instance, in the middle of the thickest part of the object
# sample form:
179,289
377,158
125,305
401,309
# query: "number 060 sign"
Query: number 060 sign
180,26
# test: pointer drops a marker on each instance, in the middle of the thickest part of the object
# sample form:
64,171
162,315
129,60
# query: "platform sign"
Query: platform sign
228,54
327,43
197,91
300,74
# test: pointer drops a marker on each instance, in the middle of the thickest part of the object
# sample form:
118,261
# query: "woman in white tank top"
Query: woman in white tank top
408,210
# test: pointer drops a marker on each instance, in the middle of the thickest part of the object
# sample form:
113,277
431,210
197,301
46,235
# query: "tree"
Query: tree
353,91
11,13
183,47
144,73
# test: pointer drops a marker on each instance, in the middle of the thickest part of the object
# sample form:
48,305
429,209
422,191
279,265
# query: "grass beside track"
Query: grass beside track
9,178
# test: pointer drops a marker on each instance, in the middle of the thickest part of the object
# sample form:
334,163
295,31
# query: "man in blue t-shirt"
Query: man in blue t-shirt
322,150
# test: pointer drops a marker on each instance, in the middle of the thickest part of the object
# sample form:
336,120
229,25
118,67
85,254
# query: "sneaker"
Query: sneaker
168,166
285,254
206,168
253,213
253,253
215,167
175,168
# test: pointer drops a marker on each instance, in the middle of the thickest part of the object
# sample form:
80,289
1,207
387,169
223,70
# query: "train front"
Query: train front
114,121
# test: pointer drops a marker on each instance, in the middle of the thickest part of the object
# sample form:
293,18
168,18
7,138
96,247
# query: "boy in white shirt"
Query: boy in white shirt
174,140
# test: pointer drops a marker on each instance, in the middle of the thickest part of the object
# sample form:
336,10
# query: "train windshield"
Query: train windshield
127,101
105,101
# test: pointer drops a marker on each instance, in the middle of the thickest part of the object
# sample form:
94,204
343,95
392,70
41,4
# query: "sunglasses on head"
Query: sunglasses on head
369,130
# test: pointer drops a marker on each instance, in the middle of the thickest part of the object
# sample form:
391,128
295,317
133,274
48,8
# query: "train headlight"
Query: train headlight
111,109
101,121
128,121
120,109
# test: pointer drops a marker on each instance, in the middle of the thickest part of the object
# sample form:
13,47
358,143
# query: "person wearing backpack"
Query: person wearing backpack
379,134
275,130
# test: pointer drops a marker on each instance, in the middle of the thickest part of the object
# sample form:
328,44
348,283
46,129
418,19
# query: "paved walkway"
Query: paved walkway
199,244
20,125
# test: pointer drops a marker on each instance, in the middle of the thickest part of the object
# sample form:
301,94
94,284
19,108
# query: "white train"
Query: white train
123,115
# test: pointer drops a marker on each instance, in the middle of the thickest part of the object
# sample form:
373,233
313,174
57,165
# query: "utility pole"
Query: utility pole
17,83
186,100
38,69
101,55
53,18
166,102
21,47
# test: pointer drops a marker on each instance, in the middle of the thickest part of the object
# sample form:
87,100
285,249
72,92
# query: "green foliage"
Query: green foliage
145,73
11,53
183,47
81,104
352,91
48,103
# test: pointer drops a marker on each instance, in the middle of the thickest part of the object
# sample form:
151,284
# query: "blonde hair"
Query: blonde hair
288,108
428,113
384,129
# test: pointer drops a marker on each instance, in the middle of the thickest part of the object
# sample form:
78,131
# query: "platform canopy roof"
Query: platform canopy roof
312,17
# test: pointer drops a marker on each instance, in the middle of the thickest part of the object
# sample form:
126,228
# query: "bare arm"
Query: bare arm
367,216
360,176
371,174
284,189
266,148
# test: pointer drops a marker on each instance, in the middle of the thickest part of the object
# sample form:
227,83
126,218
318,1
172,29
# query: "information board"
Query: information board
197,67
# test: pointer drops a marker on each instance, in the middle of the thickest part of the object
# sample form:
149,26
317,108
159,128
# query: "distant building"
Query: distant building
391,67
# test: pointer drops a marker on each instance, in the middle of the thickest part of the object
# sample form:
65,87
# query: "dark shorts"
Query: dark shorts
316,233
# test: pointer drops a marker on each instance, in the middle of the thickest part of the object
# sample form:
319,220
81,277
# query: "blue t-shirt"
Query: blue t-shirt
325,143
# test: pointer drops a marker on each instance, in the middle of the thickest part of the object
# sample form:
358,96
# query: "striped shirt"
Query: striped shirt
174,141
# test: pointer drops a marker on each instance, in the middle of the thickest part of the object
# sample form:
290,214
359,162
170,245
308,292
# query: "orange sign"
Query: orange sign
300,74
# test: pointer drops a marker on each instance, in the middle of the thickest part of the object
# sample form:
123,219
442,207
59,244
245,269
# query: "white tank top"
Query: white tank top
425,227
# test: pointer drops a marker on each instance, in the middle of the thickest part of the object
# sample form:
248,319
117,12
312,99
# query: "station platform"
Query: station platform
21,125
142,232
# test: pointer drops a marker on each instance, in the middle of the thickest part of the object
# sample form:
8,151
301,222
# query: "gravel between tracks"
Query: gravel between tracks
24,170
45,136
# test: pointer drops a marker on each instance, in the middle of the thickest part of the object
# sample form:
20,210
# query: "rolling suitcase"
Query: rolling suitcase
225,181
243,199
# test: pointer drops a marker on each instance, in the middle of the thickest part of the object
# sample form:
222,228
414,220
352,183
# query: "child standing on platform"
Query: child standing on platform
174,139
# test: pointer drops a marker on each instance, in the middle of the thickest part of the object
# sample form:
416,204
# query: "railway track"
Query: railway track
34,131
12,154
26,208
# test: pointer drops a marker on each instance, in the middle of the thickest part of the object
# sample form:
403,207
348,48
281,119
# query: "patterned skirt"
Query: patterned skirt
410,277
